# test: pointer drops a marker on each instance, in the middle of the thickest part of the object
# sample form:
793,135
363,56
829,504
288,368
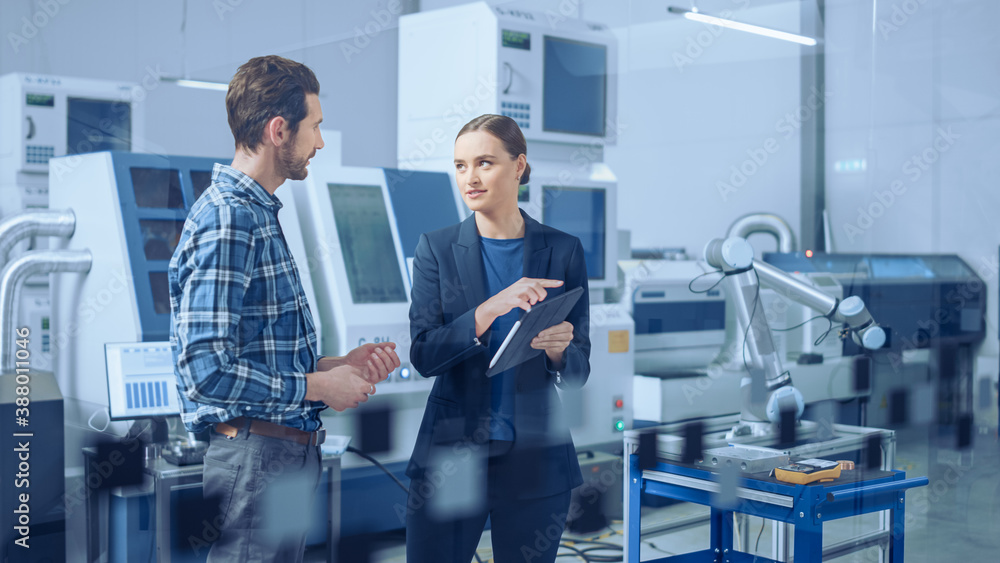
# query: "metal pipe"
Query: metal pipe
12,279
794,289
765,223
15,228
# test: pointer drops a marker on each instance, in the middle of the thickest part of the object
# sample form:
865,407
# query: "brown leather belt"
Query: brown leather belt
231,428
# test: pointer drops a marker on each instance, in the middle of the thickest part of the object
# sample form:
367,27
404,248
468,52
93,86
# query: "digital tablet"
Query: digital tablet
516,348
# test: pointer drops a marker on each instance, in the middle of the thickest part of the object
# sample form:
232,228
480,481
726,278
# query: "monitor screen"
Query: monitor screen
98,125
201,180
581,213
574,87
366,241
160,237
157,188
141,380
421,202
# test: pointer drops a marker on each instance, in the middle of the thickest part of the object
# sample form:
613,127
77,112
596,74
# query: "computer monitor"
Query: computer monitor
363,226
141,380
366,239
586,212
98,125
421,202
575,86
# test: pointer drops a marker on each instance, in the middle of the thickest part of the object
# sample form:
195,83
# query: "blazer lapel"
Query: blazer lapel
536,252
469,260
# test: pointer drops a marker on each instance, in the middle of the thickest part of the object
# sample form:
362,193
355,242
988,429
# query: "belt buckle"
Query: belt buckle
320,436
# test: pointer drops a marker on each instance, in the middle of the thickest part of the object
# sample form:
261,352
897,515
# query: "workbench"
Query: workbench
806,507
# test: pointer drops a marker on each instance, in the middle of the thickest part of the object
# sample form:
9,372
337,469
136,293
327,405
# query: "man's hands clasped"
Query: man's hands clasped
345,382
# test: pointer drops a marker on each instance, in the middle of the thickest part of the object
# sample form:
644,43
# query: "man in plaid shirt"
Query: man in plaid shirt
243,337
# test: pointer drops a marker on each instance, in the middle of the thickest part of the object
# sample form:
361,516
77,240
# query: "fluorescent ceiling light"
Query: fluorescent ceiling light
202,84
712,20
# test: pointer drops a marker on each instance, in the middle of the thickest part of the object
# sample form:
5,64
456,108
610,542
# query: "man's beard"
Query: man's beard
289,166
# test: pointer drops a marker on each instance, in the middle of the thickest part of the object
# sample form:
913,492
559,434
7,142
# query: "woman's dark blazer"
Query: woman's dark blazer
448,284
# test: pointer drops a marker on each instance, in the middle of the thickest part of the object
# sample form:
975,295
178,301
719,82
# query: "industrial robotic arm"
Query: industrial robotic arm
767,389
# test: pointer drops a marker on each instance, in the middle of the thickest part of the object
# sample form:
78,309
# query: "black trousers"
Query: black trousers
523,531
260,488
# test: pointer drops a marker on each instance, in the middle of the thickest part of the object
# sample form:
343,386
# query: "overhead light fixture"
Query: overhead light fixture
697,16
202,84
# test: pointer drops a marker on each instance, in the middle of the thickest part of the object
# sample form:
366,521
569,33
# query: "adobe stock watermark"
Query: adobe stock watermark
454,117
31,26
912,170
567,9
363,35
901,14
273,467
581,160
461,453
590,493
697,44
759,156
224,7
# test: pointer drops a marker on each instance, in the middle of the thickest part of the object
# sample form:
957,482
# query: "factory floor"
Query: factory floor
953,519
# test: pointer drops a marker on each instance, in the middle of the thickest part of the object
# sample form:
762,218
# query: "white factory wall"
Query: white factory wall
696,104
918,100
352,47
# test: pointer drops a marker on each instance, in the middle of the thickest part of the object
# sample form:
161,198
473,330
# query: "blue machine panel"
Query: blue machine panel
581,213
156,192
920,299
422,202
683,316
574,97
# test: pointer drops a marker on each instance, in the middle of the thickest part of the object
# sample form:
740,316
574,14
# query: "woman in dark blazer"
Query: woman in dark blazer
493,447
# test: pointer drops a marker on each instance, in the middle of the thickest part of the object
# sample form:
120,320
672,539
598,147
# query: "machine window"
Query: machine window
161,292
98,125
158,188
575,87
201,180
159,238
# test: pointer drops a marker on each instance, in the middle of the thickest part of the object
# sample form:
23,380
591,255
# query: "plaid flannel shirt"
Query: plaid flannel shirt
242,334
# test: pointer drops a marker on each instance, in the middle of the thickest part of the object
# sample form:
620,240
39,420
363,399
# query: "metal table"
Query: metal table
824,441
806,507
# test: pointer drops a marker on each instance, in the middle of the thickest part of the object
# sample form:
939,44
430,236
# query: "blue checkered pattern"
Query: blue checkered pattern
242,334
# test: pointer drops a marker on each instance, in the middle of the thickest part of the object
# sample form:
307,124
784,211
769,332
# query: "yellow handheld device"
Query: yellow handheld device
807,471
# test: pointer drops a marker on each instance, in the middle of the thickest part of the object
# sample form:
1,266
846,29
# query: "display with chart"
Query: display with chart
141,380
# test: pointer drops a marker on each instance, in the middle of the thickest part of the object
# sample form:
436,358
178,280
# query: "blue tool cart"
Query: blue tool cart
806,507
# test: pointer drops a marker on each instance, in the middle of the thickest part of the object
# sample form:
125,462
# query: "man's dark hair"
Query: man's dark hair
262,89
